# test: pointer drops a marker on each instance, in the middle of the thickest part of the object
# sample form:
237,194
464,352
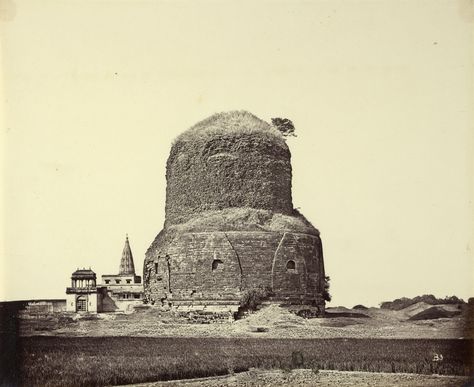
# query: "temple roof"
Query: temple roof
126,263
83,274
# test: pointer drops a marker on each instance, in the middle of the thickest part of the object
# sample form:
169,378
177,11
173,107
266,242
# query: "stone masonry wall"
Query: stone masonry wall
220,265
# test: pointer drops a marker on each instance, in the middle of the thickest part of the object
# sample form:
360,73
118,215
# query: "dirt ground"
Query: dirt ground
305,377
271,321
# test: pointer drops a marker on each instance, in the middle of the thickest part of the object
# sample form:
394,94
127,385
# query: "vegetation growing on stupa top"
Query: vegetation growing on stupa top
236,122
246,219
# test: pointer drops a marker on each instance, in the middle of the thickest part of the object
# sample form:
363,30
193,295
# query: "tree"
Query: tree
285,126
326,295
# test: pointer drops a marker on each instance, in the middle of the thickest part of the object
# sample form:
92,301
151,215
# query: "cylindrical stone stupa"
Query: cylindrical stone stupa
230,224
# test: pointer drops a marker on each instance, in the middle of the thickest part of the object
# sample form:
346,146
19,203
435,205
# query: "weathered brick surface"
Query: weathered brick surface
242,260
230,225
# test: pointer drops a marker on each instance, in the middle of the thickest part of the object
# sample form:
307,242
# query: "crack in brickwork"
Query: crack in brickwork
274,258
238,259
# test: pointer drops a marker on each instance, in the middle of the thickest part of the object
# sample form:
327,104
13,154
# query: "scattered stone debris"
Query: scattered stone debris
258,329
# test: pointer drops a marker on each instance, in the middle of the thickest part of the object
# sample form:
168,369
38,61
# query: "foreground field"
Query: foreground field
94,361
152,345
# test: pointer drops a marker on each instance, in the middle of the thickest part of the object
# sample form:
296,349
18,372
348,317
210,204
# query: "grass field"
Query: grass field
95,361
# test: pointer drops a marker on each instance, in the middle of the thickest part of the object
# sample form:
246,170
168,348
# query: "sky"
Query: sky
380,92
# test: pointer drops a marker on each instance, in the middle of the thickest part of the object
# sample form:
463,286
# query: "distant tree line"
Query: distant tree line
404,302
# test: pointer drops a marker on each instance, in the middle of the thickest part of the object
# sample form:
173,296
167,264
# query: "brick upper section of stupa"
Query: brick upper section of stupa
228,160
230,225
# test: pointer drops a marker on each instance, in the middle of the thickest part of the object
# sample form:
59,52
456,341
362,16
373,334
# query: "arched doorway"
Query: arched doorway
81,304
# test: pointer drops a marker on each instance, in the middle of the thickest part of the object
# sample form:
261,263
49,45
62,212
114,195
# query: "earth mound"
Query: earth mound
415,309
435,312
360,307
404,302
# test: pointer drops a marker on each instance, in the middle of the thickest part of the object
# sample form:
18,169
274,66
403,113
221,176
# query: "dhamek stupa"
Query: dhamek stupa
230,225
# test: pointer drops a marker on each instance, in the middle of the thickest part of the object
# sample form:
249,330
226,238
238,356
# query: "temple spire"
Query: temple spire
126,264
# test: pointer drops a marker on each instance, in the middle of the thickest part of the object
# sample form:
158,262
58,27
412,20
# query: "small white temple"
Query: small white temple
117,292
82,296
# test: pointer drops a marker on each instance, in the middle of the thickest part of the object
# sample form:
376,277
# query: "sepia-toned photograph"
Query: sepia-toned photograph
237,193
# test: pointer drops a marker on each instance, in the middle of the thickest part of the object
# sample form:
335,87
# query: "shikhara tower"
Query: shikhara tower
127,266
230,223
126,273
125,288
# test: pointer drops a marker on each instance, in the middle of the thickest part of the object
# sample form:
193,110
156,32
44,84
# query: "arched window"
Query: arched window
217,264
291,265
